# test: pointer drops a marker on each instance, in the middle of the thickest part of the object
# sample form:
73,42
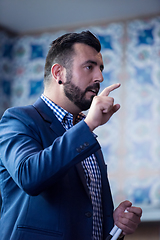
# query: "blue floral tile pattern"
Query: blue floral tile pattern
131,139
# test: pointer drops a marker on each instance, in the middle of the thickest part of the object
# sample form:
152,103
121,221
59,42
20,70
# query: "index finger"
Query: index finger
109,89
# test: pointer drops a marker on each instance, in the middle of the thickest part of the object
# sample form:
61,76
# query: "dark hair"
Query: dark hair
61,49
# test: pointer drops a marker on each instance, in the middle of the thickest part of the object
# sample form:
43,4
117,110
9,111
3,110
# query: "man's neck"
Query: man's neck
65,103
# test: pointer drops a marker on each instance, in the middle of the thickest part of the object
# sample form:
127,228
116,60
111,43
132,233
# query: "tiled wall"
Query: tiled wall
131,139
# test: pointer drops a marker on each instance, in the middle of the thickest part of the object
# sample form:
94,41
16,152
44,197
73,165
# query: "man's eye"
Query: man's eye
89,67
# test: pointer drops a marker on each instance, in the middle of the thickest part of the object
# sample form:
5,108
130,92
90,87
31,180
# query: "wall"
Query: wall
146,231
130,140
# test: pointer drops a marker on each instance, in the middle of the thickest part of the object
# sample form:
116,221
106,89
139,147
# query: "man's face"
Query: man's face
84,76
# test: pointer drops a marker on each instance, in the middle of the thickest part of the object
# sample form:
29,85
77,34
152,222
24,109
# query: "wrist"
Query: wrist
89,125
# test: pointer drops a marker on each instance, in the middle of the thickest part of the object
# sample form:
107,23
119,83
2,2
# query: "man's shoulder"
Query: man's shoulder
21,119
19,111
27,114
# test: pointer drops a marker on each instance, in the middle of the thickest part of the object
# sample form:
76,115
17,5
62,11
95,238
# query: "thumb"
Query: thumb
115,108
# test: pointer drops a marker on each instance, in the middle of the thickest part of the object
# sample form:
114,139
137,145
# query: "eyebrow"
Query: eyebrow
95,63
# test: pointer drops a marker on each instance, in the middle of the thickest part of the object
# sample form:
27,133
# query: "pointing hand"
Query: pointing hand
102,108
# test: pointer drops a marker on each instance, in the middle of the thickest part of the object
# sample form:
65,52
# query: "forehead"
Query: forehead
84,52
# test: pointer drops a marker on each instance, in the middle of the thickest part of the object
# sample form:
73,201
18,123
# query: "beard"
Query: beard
76,95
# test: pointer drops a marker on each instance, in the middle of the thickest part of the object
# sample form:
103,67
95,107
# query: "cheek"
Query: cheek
81,78
80,81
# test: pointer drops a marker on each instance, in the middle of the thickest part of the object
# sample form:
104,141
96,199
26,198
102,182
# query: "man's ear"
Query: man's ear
56,72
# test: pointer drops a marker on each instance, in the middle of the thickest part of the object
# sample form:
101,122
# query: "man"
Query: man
53,177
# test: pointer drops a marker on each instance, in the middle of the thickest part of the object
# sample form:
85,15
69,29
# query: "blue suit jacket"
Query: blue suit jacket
42,182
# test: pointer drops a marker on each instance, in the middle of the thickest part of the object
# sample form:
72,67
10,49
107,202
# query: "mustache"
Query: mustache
95,86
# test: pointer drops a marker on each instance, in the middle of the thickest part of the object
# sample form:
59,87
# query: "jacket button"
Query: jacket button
78,150
82,147
86,144
88,214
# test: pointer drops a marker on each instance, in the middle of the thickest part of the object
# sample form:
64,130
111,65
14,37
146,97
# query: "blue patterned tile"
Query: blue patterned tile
145,36
36,87
37,51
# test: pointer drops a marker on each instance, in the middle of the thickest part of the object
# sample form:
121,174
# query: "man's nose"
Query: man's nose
98,76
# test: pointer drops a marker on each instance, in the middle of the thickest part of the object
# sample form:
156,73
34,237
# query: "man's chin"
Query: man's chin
84,105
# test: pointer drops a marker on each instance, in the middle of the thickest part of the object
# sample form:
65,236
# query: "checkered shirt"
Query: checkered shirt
90,166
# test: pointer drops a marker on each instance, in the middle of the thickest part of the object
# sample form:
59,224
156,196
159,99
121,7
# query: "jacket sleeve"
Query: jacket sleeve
33,167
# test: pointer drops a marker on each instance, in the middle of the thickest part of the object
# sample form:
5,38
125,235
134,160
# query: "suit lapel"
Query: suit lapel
83,178
106,191
48,115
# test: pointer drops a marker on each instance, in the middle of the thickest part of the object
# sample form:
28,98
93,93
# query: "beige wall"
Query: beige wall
146,231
